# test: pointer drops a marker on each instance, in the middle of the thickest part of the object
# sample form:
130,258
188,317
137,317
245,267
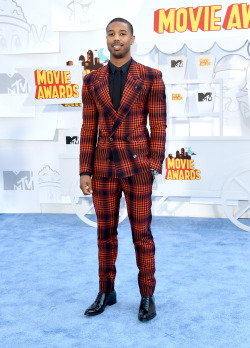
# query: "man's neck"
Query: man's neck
118,62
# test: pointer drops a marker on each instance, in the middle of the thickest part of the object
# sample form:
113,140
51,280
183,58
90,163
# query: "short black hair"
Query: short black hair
118,19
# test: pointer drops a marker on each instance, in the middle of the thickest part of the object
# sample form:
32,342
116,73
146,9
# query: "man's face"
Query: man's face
119,40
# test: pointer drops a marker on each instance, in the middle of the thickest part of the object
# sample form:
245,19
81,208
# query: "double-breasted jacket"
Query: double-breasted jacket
119,144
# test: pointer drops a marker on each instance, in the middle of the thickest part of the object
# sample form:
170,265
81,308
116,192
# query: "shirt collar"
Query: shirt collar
124,68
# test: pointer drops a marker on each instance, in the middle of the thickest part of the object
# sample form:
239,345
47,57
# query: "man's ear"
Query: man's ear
132,39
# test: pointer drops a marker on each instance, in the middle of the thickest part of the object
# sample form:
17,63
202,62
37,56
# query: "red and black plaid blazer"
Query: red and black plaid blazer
118,144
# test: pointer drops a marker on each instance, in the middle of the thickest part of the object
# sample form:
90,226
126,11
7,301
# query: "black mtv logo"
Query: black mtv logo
72,140
205,97
176,63
13,84
22,180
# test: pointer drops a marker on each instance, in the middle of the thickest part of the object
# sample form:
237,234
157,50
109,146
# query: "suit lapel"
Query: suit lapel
131,91
101,88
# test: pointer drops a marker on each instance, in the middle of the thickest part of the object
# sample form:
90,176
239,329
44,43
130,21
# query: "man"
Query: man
117,99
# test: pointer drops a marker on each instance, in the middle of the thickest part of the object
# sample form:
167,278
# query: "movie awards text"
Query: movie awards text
55,84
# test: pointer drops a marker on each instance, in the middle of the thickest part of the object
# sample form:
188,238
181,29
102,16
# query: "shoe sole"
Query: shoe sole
110,303
147,319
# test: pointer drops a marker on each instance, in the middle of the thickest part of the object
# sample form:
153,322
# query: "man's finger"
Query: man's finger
90,187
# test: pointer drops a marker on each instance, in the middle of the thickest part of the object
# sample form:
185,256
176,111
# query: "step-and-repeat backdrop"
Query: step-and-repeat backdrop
46,48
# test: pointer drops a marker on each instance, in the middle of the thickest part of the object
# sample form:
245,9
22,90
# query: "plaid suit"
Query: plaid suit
123,137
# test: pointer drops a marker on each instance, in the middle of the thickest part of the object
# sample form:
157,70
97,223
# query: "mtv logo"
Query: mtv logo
14,181
205,97
176,63
13,84
72,140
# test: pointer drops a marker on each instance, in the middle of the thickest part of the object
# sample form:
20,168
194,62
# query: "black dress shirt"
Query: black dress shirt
112,82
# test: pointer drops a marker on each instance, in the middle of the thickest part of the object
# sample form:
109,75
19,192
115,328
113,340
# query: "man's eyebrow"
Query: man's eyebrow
120,30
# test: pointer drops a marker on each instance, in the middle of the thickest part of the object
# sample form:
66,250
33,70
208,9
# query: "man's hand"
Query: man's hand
86,184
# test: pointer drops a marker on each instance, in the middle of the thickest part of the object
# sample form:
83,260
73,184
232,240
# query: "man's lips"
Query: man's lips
116,46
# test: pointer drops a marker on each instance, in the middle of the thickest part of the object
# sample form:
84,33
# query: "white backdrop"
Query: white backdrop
202,51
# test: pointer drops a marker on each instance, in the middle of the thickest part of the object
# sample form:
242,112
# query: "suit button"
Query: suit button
111,139
134,156
108,160
128,138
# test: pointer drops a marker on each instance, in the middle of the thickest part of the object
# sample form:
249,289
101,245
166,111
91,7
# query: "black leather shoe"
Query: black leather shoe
101,302
147,308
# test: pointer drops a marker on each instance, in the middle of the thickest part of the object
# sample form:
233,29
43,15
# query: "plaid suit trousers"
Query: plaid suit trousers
107,192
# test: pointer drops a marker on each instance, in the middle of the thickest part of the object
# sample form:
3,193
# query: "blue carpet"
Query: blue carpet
49,275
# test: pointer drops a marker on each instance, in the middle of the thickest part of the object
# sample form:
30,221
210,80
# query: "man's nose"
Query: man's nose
117,37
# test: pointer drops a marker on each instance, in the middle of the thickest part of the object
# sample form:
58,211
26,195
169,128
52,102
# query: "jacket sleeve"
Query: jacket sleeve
157,122
89,128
